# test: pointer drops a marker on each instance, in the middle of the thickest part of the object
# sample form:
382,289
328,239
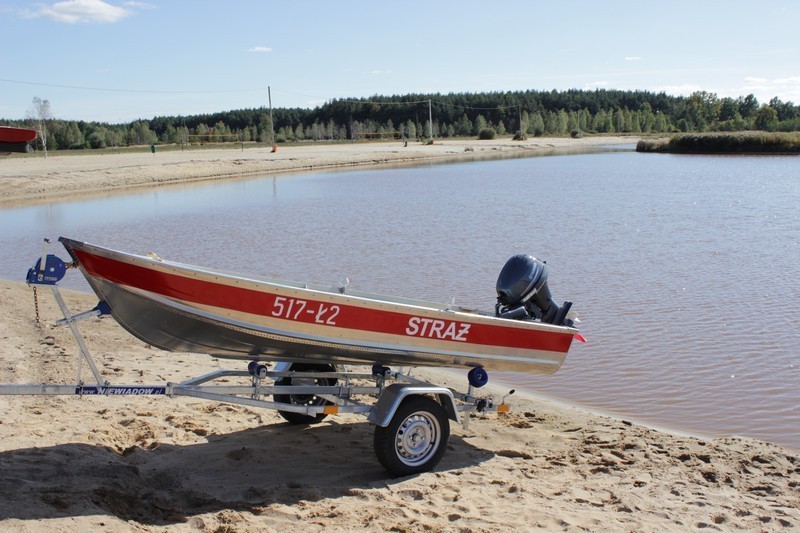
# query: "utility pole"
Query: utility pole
271,125
430,121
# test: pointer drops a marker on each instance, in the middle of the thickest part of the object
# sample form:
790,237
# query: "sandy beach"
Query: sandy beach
34,178
182,464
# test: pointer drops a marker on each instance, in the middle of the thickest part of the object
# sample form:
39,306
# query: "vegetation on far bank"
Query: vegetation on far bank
724,143
525,113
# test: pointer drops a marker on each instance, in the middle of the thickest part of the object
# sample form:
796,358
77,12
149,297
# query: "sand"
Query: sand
34,178
144,463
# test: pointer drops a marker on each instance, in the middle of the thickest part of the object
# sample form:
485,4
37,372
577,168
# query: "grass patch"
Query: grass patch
748,142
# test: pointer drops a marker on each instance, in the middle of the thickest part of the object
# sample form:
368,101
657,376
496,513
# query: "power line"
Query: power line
511,106
141,91
256,89
376,102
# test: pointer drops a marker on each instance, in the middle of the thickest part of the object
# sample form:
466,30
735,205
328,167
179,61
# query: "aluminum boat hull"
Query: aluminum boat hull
179,307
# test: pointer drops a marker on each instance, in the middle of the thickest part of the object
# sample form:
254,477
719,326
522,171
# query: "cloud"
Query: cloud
791,80
139,5
260,49
787,89
633,58
596,85
77,11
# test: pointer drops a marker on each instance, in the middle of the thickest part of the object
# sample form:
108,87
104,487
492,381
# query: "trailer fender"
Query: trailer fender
393,395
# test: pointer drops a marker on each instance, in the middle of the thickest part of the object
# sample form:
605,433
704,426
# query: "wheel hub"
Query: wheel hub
416,439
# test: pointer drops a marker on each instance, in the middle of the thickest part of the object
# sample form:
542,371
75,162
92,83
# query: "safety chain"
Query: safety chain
36,304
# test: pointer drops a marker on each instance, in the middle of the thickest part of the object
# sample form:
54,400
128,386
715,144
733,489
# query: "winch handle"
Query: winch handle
43,262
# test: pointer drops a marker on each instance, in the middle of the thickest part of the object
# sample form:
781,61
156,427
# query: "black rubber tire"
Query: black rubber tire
415,439
305,399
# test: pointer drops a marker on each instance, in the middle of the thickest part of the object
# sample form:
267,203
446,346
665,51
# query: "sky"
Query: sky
118,61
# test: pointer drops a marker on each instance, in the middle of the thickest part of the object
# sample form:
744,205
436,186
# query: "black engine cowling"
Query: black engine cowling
522,292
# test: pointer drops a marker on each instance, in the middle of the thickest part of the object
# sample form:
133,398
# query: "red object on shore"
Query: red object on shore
9,134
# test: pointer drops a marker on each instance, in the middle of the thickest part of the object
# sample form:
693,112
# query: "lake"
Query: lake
685,270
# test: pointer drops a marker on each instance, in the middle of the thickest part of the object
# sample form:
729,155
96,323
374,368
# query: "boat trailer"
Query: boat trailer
411,416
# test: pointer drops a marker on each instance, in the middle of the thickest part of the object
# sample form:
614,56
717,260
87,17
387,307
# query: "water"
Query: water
685,269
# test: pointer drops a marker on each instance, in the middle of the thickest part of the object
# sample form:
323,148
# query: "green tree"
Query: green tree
766,119
430,129
526,120
728,109
202,131
599,121
785,110
703,108
647,118
411,129
265,131
572,121
748,106
608,126
171,135
479,125
634,118
113,137
463,126
331,130
584,119
73,137
140,133
660,123
97,139
536,127
619,120
221,132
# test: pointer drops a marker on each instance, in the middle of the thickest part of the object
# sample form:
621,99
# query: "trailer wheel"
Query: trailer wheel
308,400
415,439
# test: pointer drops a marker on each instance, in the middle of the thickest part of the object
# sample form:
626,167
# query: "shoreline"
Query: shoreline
35,179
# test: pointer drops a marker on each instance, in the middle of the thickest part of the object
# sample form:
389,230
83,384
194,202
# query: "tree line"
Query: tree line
535,113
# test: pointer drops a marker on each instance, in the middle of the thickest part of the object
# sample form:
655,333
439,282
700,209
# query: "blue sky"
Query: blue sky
116,61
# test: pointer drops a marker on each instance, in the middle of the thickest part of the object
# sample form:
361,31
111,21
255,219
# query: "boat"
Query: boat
15,139
181,307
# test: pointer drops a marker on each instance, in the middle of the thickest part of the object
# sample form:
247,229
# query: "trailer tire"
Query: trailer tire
304,399
415,439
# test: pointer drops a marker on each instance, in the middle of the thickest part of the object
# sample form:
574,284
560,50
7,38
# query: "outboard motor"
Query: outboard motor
522,292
